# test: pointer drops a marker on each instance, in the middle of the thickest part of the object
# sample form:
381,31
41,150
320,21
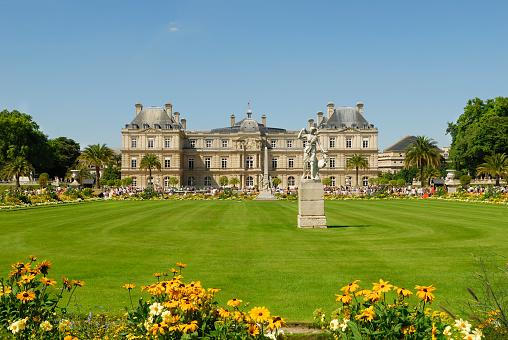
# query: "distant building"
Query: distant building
198,158
392,158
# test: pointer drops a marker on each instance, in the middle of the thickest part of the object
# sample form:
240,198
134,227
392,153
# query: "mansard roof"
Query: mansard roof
153,117
248,124
345,117
401,145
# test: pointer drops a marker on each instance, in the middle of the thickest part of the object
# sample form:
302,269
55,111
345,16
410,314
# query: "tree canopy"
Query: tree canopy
357,162
96,155
422,152
150,161
480,131
495,165
65,153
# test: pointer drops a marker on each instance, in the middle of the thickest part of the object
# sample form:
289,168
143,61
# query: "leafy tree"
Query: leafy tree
173,181
150,161
43,179
233,181
393,182
465,180
326,181
16,168
430,172
357,162
495,165
480,131
223,181
128,181
383,181
20,137
422,152
276,181
112,171
401,182
96,155
65,153
374,180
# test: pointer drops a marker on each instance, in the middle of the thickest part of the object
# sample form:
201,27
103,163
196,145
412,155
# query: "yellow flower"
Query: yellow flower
78,283
48,282
224,313
26,296
275,322
128,286
32,257
25,279
259,314
253,329
43,267
66,283
402,291
181,265
190,327
409,330
367,314
157,274
353,286
382,286
157,327
424,293
434,331
344,298
234,302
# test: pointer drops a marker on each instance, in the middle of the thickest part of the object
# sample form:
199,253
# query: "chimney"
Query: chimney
311,123
177,117
184,123
139,107
169,110
359,107
232,120
330,107
263,120
319,118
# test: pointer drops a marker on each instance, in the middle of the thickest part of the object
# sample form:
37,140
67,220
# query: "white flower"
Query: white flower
447,330
17,326
323,317
478,333
463,326
343,325
46,326
166,316
156,308
334,324
271,336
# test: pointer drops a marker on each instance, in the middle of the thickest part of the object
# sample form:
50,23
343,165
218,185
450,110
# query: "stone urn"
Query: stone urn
75,175
450,181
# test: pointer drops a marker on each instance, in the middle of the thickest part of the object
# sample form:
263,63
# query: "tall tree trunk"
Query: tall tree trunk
97,175
16,176
497,180
357,184
150,176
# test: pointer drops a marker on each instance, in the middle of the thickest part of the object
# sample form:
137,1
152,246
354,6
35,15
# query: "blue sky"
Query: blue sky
79,67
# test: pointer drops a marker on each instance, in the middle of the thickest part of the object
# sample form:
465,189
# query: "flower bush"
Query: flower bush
178,310
389,312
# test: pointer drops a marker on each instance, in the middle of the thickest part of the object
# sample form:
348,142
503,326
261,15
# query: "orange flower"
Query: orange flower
43,267
424,293
47,281
26,296
128,286
181,265
234,302
32,257
157,274
78,283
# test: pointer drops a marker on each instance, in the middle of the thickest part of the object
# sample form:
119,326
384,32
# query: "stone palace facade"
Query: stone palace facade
198,158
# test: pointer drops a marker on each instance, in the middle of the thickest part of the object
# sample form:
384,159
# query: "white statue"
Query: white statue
310,153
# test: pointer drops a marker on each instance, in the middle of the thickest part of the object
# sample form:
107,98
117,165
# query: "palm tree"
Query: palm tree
233,181
357,162
96,156
495,165
150,161
17,168
421,152
430,172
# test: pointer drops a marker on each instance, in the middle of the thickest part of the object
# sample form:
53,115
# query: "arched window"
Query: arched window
333,181
150,181
249,181
208,181
291,181
191,181
166,182
365,181
348,180
249,162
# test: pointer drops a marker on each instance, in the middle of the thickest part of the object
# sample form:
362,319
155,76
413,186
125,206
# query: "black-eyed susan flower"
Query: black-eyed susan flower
424,293
253,329
259,314
5,290
66,283
181,265
224,313
32,257
78,283
367,314
128,286
402,292
157,274
234,302
48,281
25,279
275,322
26,295
352,287
344,298
190,327
157,327
43,267
382,286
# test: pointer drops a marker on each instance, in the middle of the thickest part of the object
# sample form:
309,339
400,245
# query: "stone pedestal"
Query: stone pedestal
311,204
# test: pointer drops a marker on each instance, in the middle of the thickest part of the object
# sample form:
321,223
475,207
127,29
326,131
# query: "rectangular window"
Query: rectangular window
208,143
365,143
150,143
191,163
192,144
167,143
134,182
134,142
273,143
224,163
291,163
167,163
274,163
349,143
134,163
332,162
208,163
224,143
332,142
289,143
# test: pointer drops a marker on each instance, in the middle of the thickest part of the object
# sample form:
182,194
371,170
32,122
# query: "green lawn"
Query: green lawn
253,250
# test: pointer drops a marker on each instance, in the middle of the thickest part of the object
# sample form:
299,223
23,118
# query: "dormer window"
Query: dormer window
168,126
146,126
